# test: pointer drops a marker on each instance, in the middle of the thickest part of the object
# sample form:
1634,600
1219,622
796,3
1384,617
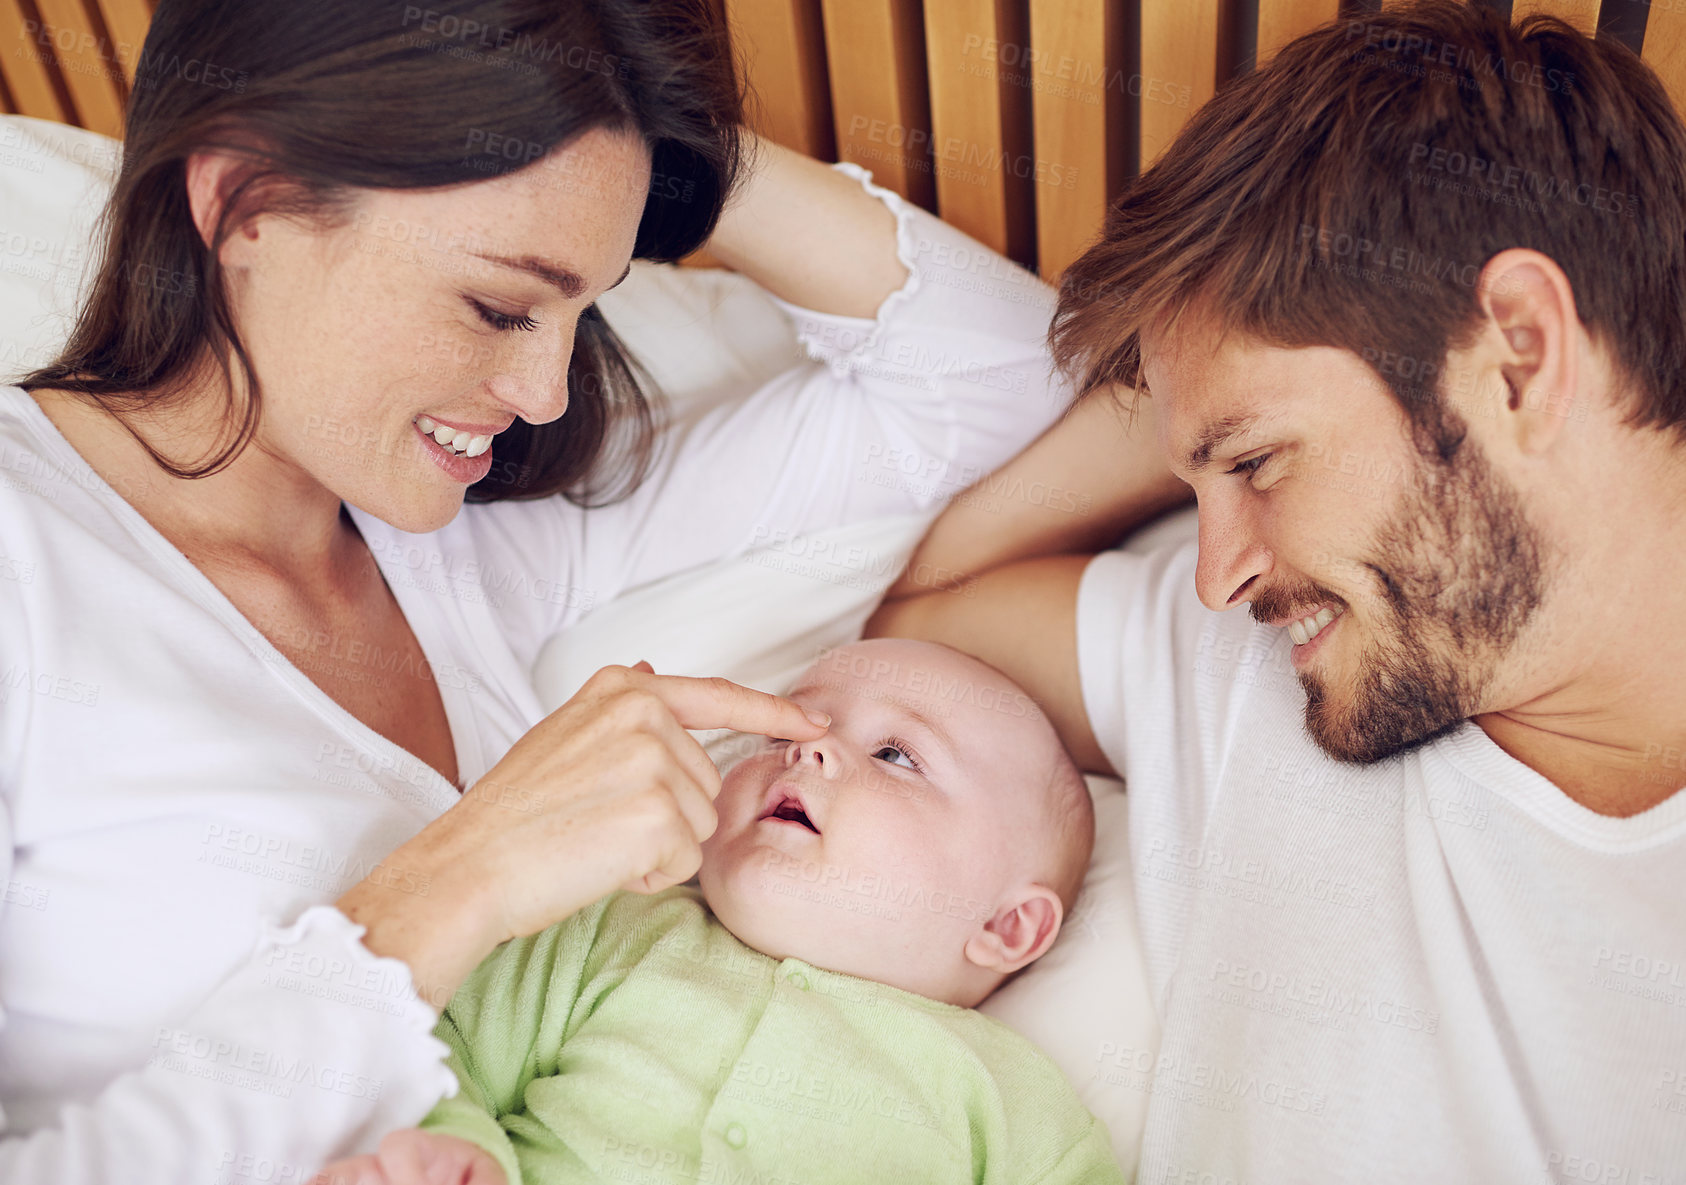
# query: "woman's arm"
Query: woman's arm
1092,477
308,1046
888,415
607,792
809,234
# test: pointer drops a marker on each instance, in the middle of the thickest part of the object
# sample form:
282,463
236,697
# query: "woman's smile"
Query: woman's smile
465,455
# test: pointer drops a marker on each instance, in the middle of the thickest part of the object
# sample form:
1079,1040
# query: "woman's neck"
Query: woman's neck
256,513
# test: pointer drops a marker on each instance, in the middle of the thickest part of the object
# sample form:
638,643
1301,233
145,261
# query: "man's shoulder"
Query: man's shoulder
1166,681
1134,603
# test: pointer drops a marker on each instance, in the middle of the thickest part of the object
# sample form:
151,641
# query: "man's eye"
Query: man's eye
1252,464
502,321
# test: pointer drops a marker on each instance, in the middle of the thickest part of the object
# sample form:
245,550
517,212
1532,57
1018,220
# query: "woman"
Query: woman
273,775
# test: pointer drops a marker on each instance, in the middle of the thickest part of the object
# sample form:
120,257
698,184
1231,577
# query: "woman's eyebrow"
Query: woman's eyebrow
564,279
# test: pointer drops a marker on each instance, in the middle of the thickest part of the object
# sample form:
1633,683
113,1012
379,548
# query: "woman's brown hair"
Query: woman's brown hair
324,96
1350,192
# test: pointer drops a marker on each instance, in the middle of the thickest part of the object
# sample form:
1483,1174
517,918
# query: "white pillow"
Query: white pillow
53,183
706,335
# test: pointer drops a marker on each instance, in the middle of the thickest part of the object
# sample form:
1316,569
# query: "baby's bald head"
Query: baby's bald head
941,786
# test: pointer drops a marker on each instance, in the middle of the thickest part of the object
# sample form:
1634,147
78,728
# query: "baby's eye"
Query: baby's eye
891,752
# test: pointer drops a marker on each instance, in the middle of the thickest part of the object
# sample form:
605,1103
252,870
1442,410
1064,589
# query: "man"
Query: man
1404,310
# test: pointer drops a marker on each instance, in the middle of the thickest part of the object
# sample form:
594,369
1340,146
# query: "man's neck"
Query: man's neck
1615,780
1601,709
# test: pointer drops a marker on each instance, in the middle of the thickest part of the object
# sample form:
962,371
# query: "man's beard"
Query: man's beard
1460,570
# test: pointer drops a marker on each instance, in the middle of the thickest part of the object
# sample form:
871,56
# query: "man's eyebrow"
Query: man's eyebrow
1214,435
564,279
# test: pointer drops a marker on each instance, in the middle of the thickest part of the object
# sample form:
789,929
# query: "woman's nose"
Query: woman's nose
534,383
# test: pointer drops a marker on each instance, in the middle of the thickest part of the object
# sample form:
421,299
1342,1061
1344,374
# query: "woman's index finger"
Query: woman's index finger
720,703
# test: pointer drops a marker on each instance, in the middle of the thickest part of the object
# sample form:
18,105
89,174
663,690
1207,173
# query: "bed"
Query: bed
1012,118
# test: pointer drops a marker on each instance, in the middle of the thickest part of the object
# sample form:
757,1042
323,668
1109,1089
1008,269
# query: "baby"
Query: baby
806,1016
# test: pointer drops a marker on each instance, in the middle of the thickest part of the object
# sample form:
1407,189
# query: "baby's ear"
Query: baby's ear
1023,928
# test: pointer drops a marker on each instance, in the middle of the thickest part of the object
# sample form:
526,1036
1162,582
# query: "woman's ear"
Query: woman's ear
1021,931
211,177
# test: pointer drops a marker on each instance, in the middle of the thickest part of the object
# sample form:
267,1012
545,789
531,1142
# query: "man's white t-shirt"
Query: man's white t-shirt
1437,968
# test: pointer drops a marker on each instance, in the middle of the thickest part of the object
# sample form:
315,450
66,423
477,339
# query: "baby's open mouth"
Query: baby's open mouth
790,810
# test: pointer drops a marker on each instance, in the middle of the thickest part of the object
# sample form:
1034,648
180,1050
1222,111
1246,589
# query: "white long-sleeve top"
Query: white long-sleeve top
180,805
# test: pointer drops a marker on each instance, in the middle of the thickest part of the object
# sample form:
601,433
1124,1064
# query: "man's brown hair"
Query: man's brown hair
1349,192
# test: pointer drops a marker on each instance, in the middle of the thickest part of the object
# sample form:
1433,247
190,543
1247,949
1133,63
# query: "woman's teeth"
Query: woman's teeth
1307,628
464,444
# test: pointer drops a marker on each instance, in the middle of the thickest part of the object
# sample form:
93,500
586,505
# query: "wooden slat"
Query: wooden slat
1665,50
28,66
1583,14
1280,21
781,45
984,161
126,21
1084,119
1180,49
879,103
90,70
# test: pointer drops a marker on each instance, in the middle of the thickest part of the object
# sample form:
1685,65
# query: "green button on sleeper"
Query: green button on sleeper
797,980
736,1137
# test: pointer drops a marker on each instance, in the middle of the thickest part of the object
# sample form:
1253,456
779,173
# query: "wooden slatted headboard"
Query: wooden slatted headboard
1013,119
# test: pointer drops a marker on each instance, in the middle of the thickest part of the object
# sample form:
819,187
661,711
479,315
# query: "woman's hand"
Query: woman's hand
415,1157
607,792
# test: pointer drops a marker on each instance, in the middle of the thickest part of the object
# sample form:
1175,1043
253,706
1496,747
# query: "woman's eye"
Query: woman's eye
890,753
502,321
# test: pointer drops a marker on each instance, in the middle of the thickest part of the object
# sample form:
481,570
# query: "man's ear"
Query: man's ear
211,177
1534,337
1023,928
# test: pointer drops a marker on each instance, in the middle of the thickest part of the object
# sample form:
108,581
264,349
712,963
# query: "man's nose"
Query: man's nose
1232,559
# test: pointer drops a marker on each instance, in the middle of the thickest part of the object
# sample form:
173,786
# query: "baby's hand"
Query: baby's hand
415,1157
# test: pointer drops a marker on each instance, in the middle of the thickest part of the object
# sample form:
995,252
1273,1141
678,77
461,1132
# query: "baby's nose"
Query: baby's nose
812,752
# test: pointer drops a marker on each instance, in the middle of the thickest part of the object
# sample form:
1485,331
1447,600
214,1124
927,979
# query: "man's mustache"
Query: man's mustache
1292,599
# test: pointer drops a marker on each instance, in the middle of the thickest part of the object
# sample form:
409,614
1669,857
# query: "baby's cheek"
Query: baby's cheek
748,779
